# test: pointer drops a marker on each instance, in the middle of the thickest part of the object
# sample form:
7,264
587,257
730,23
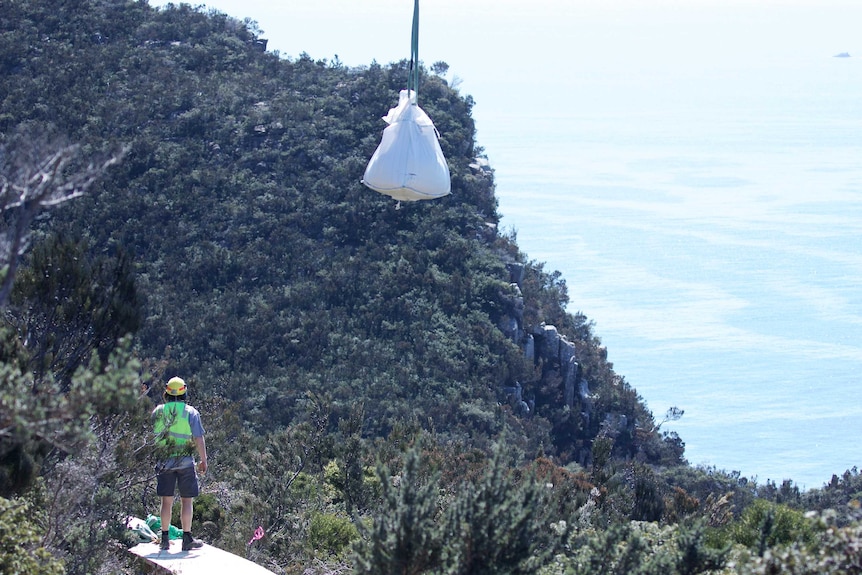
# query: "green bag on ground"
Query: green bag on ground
155,524
140,530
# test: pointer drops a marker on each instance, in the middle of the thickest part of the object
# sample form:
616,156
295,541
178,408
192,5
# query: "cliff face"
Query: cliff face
574,387
552,354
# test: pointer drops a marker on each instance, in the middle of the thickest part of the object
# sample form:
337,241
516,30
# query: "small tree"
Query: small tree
68,303
440,68
20,549
86,488
404,538
38,171
495,525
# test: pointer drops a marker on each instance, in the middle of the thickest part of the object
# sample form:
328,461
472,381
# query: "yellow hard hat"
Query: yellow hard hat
176,386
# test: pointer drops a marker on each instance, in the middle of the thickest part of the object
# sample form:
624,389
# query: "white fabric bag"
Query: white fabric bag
408,164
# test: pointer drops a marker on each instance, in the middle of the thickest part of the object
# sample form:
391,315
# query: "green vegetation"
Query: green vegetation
176,200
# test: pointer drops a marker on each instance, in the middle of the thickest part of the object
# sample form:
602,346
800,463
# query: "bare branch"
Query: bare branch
37,173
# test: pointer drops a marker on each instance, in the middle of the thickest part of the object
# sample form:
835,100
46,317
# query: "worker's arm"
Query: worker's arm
201,444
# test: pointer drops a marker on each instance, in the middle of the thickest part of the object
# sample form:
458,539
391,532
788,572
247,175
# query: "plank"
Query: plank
207,560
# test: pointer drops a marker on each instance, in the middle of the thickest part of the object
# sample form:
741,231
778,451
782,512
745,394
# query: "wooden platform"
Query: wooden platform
207,560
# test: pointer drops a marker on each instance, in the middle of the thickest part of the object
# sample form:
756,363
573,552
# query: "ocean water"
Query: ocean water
694,169
709,222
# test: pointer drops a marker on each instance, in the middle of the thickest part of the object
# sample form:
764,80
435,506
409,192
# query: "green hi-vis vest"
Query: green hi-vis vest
172,428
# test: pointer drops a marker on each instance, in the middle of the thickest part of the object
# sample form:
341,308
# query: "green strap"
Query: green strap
413,78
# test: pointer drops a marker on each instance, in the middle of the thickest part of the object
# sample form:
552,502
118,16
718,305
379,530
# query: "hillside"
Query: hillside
325,331
268,270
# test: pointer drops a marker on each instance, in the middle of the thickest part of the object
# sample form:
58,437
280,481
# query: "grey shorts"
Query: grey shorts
184,477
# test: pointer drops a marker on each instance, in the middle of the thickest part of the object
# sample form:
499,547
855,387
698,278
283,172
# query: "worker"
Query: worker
179,433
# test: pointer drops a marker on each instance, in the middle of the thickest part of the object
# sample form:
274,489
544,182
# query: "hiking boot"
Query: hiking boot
166,541
190,542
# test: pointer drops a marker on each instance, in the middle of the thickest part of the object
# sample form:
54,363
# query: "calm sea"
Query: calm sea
694,169
710,223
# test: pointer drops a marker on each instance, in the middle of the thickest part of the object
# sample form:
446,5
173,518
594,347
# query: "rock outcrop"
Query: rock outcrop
542,344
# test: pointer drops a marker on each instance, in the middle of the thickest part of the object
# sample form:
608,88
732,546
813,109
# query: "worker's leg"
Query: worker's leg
189,489
167,507
165,514
186,513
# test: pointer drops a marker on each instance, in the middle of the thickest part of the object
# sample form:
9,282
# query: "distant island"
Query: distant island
843,55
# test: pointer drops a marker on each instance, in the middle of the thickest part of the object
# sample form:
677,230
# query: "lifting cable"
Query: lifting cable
413,75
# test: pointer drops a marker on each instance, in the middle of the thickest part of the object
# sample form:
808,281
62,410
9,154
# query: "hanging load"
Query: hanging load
409,164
